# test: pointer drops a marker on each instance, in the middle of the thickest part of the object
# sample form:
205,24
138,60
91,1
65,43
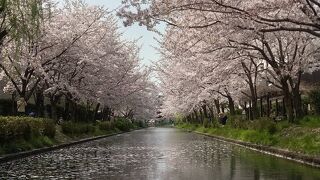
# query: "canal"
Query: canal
156,153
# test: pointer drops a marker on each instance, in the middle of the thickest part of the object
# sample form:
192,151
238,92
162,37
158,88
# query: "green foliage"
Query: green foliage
12,128
238,111
264,124
310,121
302,138
19,145
314,97
72,128
164,123
283,125
24,18
25,133
214,124
49,128
178,118
206,123
120,124
140,124
106,126
123,124
237,122
188,126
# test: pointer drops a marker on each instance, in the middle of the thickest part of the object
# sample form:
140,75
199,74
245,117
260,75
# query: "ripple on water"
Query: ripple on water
154,154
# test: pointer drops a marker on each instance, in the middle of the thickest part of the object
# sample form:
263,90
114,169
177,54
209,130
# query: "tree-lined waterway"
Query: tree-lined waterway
156,153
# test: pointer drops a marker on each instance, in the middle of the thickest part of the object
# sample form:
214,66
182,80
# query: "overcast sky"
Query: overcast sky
148,53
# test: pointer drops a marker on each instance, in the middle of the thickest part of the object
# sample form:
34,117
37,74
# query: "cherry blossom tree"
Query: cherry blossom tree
245,34
79,55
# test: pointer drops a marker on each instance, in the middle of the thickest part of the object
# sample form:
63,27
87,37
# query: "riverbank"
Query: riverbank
137,155
301,140
25,134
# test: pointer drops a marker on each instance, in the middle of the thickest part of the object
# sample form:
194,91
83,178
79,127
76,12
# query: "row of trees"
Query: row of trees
75,52
231,50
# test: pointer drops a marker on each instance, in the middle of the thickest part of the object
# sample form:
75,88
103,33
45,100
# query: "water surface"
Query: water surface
156,153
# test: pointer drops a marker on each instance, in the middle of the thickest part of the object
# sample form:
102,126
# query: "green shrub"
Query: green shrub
238,111
283,125
49,128
272,128
67,127
106,125
140,124
47,141
13,128
264,124
178,118
37,143
73,128
123,124
237,122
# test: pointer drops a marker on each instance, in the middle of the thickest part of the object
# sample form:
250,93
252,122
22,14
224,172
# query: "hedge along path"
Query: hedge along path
289,155
20,155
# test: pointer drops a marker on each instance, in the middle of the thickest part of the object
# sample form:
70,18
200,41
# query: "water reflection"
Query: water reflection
156,153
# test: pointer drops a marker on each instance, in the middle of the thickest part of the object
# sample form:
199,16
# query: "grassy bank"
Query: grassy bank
301,138
19,134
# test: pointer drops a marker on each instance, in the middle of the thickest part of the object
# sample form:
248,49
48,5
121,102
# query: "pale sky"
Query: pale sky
148,53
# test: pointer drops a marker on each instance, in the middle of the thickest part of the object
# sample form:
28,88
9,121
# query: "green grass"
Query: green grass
303,137
310,121
26,145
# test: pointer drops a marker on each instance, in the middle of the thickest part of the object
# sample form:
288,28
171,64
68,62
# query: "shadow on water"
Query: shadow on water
156,153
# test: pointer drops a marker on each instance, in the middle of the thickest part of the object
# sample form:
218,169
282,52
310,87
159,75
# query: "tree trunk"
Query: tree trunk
268,106
284,113
39,100
188,120
250,111
205,111
107,114
14,104
254,98
231,105
67,115
297,103
289,107
217,104
201,116
287,100
74,111
246,109
87,112
196,116
254,108
261,107
192,118
277,108
54,111
211,112
95,116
